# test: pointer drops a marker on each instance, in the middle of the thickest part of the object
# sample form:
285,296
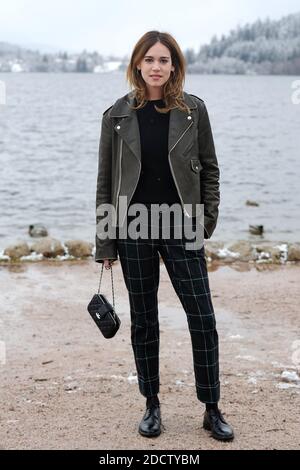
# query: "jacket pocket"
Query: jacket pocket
196,165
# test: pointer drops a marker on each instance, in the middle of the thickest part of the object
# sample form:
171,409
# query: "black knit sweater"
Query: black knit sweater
156,184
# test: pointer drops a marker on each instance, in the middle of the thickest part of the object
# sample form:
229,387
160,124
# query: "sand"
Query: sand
64,386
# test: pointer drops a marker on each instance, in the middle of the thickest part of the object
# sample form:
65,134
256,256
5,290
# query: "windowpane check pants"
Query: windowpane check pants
187,270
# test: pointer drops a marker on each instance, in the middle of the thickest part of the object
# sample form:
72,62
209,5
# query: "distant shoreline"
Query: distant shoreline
216,252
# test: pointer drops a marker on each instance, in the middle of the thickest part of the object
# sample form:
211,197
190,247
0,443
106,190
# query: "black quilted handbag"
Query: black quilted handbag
103,313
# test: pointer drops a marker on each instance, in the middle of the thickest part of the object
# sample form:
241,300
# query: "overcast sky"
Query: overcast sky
114,26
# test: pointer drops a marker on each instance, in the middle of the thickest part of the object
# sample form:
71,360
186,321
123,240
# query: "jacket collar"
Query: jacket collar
128,127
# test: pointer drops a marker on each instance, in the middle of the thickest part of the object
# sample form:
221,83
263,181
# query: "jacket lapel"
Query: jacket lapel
128,127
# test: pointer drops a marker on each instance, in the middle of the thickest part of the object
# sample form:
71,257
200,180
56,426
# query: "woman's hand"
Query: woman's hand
107,263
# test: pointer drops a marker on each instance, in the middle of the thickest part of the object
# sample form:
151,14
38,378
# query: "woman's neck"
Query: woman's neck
155,95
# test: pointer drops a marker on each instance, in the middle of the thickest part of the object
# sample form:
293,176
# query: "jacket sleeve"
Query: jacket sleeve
210,173
105,248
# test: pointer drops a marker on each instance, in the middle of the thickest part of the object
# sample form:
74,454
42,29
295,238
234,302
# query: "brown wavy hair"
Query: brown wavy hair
173,88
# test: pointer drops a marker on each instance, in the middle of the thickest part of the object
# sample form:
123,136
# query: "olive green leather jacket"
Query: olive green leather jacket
192,159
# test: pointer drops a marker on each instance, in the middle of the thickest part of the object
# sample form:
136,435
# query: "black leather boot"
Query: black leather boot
150,425
214,421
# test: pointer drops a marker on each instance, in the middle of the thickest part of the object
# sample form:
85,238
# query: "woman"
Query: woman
157,147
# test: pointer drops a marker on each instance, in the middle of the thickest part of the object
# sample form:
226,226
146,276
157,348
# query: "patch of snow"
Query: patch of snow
290,376
179,382
284,386
64,257
247,358
224,253
3,256
252,380
283,248
132,378
32,257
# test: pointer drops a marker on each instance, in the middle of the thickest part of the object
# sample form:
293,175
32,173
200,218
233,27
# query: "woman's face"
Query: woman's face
157,61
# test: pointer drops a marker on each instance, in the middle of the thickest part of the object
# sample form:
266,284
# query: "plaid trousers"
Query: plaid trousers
187,270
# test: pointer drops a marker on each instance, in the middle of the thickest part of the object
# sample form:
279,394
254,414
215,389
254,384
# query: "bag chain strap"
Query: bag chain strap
112,283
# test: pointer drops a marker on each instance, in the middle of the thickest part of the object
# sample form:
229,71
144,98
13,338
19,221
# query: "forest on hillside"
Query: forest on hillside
263,47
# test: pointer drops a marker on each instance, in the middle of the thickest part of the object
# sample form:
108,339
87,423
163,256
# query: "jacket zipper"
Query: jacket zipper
140,167
120,169
136,183
182,203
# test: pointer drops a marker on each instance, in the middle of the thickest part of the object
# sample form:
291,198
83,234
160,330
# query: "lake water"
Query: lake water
49,137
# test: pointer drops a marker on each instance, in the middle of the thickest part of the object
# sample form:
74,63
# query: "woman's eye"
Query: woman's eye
163,60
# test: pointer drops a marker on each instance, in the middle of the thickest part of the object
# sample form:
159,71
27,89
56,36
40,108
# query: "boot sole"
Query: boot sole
153,434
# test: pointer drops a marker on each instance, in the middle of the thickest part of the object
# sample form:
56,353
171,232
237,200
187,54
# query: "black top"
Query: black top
156,183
